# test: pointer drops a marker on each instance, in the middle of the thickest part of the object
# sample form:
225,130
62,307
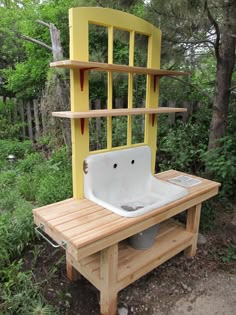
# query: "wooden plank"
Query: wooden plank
98,66
63,212
68,217
133,263
192,225
160,252
94,278
91,228
84,221
54,206
117,112
72,273
108,271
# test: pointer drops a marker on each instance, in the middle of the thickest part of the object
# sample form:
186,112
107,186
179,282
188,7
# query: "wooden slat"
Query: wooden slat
117,112
76,215
161,251
62,219
171,237
75,64
83,222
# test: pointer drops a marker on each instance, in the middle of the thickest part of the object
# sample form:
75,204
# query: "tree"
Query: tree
192,28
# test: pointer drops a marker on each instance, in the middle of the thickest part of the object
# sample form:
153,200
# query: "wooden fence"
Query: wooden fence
33,115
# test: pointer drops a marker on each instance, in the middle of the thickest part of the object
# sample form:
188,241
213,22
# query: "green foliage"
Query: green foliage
54,187
16,231
181,146
20,294
220,162
15,147
8,131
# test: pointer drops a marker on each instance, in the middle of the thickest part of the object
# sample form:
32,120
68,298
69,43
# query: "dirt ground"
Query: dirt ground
202,285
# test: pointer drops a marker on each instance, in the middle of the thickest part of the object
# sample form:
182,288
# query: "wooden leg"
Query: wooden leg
192,225
108,292
72,273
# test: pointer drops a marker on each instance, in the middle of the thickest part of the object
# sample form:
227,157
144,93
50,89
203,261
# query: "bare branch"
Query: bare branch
193,86
43,23
35,41
217,29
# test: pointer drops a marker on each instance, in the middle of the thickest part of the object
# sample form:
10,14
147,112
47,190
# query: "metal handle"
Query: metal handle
37,228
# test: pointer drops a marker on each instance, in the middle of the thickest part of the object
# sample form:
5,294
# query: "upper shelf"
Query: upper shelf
89,65
118,112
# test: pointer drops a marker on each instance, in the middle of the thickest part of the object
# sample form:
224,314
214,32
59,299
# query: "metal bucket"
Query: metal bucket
144,239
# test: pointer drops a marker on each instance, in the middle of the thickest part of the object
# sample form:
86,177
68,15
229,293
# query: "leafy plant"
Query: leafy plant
20,294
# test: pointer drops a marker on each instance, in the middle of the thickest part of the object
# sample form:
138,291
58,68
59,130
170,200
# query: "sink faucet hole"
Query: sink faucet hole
115,165
132,162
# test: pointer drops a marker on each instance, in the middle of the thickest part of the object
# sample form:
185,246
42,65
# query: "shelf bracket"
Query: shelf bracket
81,73
155,77
153,119
82,125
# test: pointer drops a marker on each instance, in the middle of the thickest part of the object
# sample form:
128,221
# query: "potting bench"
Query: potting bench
94,238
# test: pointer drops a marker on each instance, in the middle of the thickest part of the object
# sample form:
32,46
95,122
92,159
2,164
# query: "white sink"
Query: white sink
121,181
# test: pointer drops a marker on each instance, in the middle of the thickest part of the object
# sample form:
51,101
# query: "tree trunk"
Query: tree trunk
225,66
22,116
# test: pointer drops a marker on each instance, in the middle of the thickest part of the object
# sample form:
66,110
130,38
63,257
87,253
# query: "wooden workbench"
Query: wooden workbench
94,238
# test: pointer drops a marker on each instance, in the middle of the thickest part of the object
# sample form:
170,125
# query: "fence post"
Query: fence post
36,119
22,117
29,120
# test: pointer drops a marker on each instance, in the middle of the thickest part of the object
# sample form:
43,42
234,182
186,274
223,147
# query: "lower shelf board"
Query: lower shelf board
171,239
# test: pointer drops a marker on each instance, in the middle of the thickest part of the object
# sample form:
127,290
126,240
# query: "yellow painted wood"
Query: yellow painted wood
109,88
130,87
150,136
79,99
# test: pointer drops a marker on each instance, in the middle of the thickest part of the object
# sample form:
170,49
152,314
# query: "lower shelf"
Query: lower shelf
172,238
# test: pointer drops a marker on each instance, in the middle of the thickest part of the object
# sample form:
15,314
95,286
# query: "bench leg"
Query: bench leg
108,271
192,225
72,273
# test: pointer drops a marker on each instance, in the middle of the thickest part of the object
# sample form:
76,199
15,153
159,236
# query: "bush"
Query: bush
20,294
54,187
15,147
16,231
220,163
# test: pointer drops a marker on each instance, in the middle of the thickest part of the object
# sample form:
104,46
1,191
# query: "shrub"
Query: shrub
16,231
54,187
19,149
220,163
20,294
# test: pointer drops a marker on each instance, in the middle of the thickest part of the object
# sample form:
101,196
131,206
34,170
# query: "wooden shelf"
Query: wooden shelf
171,239
118,112
89,65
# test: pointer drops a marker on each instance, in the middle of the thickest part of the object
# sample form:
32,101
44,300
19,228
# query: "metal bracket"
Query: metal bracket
42,228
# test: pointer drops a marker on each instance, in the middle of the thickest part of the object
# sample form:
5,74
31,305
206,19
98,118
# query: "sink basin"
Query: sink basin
121,181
